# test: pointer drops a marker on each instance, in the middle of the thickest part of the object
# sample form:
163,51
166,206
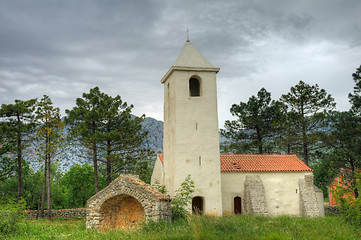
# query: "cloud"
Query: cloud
64,48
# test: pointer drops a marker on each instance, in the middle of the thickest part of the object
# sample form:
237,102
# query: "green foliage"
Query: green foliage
349,207
17,122
105,126
12,214
182,198
253,129
78,184
160,188
355,98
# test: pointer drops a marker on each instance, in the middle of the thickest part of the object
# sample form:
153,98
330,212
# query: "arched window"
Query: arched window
194,87
237,205
197,205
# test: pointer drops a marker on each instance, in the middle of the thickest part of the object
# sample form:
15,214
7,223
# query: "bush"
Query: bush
182,198
12,215
350,208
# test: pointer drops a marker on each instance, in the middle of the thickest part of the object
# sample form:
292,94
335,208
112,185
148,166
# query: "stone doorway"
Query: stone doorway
237,203
121,211
197,205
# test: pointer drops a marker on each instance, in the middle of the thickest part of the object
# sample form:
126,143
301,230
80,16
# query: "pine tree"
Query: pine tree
309,107
254,125
50,135
18,119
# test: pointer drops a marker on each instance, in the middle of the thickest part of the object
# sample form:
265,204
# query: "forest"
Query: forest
303,121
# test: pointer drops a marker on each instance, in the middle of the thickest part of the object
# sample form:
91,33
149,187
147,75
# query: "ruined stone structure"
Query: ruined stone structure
254,195
308,197
224,183
126,202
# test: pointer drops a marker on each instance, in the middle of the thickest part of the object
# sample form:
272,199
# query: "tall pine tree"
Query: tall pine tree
18,119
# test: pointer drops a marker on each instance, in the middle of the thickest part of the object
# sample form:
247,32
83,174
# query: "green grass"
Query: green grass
232,227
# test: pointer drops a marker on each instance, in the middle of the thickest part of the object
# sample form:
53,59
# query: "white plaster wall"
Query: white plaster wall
281,190
158,172
191,140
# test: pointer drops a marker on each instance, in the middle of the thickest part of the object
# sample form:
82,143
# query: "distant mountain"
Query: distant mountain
74,153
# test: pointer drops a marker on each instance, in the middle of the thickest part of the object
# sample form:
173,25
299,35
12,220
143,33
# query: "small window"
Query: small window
194,87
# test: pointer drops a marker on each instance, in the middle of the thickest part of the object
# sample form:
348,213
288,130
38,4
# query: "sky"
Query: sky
63,48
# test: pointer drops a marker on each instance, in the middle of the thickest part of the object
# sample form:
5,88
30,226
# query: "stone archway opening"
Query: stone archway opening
122,211
197,205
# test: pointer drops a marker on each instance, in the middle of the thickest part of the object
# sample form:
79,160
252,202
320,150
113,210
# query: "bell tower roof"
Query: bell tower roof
190,59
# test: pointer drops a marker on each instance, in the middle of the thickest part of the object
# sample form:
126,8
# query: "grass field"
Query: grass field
232,227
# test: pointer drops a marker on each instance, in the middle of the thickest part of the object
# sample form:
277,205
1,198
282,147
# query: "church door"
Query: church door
197,205
237,205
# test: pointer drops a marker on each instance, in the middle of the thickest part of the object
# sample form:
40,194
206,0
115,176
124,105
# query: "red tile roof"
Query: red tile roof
259,163
262,163
160,155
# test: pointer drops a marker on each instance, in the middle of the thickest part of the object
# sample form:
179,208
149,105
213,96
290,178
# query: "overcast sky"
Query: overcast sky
63,48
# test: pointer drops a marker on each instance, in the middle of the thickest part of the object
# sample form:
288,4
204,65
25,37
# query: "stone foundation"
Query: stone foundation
126,202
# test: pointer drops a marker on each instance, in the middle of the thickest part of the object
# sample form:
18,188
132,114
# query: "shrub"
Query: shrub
350,208
182,198
12,214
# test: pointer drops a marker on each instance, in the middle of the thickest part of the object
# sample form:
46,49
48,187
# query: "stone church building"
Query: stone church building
224,184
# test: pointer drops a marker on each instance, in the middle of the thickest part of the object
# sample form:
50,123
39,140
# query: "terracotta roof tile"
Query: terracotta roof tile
259,163
160,155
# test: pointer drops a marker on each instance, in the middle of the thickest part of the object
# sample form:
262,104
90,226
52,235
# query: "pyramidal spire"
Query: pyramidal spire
191,57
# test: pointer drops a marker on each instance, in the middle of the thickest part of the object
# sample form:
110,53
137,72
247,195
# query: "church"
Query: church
225,184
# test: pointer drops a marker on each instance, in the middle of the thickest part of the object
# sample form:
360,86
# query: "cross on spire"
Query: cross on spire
188,35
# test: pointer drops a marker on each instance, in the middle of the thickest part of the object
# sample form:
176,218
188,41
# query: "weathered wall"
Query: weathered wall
158,172
281,190
254,196
308,199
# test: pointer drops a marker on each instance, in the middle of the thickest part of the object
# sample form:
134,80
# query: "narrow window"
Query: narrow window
237,205
194,87
197,205
200,160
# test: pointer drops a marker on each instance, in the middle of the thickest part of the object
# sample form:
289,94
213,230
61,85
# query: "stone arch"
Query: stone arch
125,202
121,211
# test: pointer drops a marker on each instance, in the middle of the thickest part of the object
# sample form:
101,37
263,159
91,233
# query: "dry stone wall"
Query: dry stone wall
125,203
60,213
308,198
255,197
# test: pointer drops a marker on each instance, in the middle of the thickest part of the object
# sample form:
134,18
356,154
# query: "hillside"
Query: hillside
75,153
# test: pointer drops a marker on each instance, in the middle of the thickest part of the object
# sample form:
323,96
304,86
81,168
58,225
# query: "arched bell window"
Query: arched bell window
194,87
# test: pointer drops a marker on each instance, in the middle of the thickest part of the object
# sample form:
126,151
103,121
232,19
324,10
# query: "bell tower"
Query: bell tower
191,138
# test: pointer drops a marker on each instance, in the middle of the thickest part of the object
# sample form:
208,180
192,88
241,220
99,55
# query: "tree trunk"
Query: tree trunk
43,190
20,177
95,162
109,164
304,138
353,180
259,139
49,199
